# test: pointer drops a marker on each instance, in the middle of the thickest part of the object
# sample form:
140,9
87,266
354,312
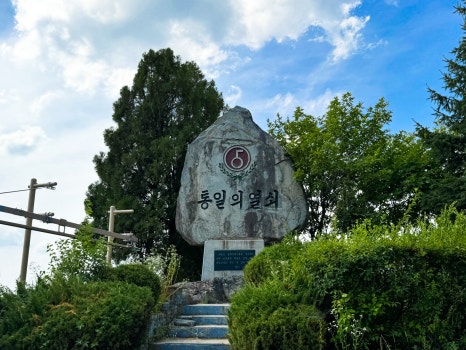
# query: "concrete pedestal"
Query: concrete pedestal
224,258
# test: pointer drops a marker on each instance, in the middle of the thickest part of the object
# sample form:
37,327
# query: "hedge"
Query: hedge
70,314
379,287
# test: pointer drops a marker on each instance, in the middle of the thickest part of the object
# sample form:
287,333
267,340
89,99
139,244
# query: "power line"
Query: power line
58,233
62,223
27,189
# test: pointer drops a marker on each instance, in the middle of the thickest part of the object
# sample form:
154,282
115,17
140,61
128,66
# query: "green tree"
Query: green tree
446,182
351,167
169,104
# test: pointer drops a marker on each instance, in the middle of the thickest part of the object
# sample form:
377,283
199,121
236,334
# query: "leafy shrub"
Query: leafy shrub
268,317
400,297
273,261
83,257
166,267
139,275
82,304
380,287
97,315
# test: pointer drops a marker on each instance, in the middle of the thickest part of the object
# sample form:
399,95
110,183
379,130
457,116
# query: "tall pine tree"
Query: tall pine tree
169,104
445,183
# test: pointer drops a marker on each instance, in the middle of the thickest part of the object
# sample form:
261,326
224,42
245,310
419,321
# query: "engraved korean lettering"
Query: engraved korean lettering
205,199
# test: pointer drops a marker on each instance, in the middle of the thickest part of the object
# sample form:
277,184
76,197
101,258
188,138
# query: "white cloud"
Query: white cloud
84,75
117,78
285,104
8,96
262,21
70,37
28,48
318,106
282,102
107,11
30,13
233,95
189,39
347,7
44,100
22,142
347,37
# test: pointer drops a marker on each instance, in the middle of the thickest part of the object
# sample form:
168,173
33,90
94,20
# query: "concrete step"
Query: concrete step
206,309
204,319
200,326
203,332
193,343
184,321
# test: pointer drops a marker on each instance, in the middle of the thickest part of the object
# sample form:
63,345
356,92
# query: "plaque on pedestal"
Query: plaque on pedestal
224,258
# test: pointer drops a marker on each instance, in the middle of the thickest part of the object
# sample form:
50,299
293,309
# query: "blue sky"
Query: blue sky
62,64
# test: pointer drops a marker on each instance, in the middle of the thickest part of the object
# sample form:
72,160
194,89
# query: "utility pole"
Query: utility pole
27,232
111,224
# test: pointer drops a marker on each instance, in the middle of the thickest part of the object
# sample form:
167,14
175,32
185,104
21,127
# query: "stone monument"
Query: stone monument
237,192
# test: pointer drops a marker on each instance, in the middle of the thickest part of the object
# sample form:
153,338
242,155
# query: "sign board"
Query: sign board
225,258
232,260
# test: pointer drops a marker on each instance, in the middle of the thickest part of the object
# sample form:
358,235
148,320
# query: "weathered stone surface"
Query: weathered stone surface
217,290
237,182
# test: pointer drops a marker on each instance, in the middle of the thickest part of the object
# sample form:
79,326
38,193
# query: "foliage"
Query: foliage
82,304
166,267
69,314
83,257
378,287
273,262
444,183
168,105
139,275
351,167
268,317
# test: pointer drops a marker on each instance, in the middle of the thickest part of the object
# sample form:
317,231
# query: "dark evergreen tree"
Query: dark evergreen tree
445,183
169,104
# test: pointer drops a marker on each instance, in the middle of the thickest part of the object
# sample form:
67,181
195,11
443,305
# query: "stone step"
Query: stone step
202,332
193,343
202,320
184,321
206,309
200,326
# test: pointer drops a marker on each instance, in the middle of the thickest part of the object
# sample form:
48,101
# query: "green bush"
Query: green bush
380,287
140,275
166,267
273,261
83,303
70,314
269,317
400,297
83,257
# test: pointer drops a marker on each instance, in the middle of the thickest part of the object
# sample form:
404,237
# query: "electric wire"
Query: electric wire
27,189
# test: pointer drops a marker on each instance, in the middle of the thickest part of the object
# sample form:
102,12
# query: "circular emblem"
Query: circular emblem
236,158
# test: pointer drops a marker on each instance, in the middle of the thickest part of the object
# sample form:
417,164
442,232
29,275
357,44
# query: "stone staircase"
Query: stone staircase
200,326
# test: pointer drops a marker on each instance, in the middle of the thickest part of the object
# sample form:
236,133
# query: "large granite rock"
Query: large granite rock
237,183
